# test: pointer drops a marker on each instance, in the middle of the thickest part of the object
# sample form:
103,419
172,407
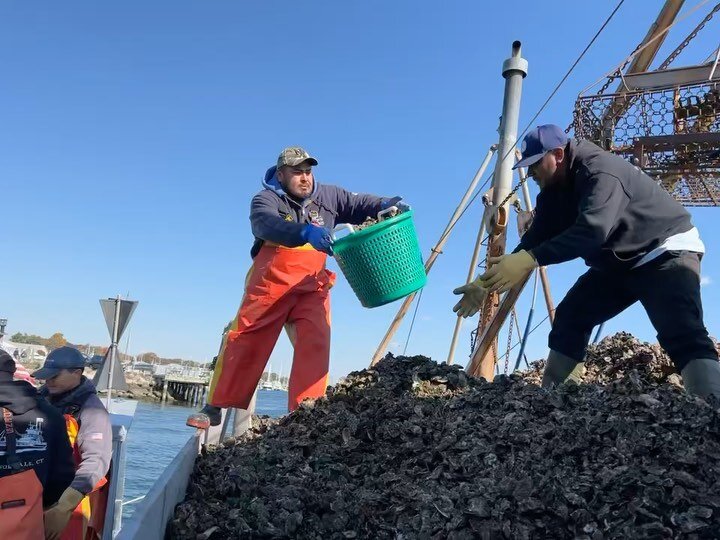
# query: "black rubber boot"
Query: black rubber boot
701,377
561,369
205,417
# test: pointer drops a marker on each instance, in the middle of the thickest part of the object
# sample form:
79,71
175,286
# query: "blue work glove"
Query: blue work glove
318,237
396,202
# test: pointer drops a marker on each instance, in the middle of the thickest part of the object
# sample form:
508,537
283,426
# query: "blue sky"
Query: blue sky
134,135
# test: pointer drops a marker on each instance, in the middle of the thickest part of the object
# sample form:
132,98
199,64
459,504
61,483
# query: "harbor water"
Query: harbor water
157,434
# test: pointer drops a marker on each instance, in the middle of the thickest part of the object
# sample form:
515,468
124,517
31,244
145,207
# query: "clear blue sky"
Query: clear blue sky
135,133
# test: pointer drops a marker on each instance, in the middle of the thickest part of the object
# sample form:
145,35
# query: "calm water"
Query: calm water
159,431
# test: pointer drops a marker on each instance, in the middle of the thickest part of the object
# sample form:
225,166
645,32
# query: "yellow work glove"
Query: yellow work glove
508,270
473,297
58,515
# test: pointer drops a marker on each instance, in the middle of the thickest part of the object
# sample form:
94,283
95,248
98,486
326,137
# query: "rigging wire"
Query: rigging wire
451,226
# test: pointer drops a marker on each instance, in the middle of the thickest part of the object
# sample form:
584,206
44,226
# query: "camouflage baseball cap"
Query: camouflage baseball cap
294,155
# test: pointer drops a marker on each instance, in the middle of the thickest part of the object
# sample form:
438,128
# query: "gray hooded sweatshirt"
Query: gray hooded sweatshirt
94,437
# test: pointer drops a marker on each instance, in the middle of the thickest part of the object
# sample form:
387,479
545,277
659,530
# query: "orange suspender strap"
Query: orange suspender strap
73,428
11,441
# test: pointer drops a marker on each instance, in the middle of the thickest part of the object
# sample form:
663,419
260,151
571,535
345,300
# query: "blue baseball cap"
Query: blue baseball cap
59,359
540,141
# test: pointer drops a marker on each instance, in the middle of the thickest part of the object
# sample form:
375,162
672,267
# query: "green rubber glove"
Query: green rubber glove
508,270
58,515
474,294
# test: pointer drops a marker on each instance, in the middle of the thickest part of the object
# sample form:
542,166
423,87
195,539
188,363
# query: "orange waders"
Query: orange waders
88,518
21,504
285,287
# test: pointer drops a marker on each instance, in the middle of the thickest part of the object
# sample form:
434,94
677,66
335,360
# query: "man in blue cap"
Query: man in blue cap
639,243
90,432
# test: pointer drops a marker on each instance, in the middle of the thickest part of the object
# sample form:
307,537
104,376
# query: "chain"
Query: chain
673,55
538,325
513,316
614,76
510,196
514,191
607,84
669,60
509,344
610,79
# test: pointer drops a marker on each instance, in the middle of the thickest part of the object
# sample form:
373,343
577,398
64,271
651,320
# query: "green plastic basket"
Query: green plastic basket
382,262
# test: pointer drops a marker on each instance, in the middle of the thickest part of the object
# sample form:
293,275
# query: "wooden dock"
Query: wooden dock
191,390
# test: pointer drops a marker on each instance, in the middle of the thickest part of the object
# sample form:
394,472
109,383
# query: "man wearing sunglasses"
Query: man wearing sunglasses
639,243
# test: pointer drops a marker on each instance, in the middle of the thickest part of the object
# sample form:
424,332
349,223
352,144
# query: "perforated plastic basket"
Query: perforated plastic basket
382,262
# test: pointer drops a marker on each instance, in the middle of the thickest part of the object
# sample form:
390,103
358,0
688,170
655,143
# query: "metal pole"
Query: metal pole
243,417
470,276
715,65
120,456
226,422
519,334
525,189
598,333
488,339
113,348
395,324
543,270
531,314
514,70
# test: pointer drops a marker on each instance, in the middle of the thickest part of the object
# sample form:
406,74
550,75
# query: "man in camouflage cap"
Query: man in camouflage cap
288,284
293,156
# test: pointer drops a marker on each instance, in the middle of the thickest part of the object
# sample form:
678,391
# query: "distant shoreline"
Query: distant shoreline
140,387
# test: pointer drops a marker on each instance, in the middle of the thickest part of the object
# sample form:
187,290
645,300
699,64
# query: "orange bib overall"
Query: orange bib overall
21,504
285,287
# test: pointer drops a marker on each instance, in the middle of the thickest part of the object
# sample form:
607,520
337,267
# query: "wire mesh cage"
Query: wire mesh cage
671,132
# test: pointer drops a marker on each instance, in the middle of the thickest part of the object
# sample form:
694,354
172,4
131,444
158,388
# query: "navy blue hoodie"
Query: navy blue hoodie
276,217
